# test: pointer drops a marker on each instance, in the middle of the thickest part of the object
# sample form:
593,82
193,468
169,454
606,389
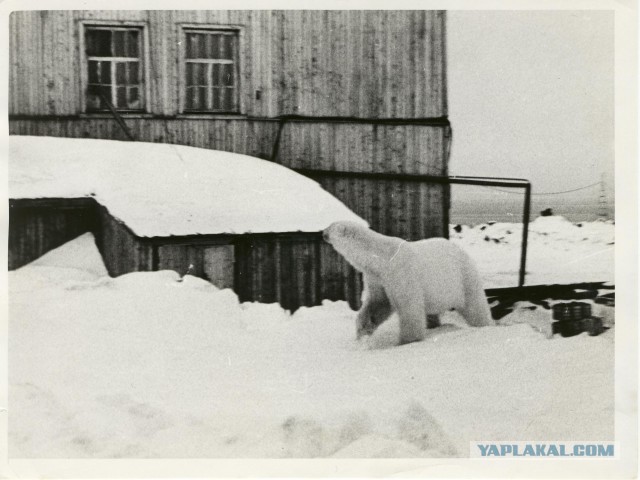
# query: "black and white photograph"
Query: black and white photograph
340,233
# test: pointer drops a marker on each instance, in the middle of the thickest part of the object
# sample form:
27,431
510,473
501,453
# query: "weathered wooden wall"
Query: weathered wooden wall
296,269
369,64
122,251
364,64
293,270
37,226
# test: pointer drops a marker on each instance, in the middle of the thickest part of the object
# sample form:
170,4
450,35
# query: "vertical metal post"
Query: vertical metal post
525,233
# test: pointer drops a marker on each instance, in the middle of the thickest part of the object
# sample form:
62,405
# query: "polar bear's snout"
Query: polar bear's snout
325,235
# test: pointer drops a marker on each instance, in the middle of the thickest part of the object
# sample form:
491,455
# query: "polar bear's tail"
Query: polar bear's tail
476,310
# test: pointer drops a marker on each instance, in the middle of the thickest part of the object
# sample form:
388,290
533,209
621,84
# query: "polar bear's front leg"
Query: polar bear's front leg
411,310
375,309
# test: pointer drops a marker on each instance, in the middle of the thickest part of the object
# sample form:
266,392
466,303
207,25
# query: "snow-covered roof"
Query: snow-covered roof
163,190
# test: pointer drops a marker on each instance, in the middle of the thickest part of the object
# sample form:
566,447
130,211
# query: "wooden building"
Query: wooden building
221,80
340,91
192,218
293,269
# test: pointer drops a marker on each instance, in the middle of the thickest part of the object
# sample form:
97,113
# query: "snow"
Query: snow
154,365
162,190
558,251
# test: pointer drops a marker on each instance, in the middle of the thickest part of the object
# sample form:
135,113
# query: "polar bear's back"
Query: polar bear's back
441,266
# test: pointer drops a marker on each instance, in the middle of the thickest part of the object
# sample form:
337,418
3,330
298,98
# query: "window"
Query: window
114,68
211,71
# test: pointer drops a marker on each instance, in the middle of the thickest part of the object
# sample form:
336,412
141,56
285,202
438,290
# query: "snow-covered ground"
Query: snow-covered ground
559,251
154,365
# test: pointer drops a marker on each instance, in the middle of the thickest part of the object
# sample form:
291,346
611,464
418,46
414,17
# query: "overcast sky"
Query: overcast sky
531,95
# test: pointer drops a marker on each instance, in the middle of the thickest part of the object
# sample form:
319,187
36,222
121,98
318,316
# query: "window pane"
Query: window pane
95,94
94,72
227,51
215,73
121,97
132,43
121,73
189,73
196,98
98,43
202,96
191,45
215,94
105,91
227,103
118,43
189,98
134,98
221,98
93,101
202,46
229,71
208,45
195,45
202,74
215,46
134,78
105,72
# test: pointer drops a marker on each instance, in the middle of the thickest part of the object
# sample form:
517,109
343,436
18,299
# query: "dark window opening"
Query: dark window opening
211,71
114,68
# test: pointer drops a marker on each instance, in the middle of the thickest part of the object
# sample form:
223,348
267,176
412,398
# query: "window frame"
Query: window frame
183,30
84,64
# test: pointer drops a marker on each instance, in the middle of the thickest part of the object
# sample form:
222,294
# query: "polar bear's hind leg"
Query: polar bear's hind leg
476,310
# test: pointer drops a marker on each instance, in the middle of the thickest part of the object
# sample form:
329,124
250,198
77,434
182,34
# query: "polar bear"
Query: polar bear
419,280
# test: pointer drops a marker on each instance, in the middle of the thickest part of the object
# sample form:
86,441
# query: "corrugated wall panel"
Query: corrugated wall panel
38,226
184,259
293,272
340,146
122,251
248,137
369,64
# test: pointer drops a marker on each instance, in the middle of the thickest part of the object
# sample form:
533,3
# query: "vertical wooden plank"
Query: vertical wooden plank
46,99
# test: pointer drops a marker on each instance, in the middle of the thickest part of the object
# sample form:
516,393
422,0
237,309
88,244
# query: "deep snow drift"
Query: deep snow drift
154,365
161,190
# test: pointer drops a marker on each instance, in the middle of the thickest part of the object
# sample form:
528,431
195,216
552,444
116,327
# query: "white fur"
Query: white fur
419,280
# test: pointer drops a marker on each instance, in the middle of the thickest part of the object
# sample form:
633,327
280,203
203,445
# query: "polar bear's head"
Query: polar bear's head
357,243
338,231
